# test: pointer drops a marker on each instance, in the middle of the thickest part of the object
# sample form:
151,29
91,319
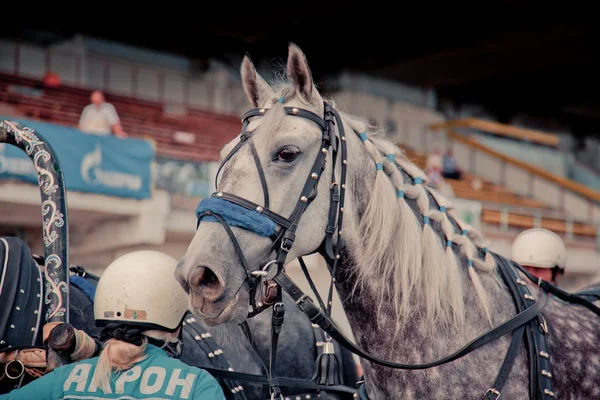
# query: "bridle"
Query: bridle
283,239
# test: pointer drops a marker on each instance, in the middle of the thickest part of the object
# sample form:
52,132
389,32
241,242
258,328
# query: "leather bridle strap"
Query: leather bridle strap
316,316
283,381
509,359
278,219
558,292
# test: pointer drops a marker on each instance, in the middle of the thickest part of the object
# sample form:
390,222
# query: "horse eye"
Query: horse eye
288,153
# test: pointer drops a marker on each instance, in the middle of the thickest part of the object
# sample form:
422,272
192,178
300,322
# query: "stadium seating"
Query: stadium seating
140,118
525,212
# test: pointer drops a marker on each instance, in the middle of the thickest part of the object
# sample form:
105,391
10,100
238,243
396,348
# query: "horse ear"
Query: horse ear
299,72
256,88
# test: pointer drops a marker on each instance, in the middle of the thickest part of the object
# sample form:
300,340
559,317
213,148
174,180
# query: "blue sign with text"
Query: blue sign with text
94,164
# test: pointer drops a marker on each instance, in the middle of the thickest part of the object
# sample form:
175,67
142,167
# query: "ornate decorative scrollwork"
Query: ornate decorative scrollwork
45,177
54,220
55,288
23,134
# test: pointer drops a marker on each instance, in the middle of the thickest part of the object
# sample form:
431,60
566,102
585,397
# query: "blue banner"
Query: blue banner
91,163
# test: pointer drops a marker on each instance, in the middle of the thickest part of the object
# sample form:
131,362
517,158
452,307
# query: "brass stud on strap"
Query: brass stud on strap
262,111
324,150
529,297
343,186
343,138
345,162
259,209
544,354
337,256
342,209
295,111
340,233
549,392
521,282
220,194
546,373
314,175
303,199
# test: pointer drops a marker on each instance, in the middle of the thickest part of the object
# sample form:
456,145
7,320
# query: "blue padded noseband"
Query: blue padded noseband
235,215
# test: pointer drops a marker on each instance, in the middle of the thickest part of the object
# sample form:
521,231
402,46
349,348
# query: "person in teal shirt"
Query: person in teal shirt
140,307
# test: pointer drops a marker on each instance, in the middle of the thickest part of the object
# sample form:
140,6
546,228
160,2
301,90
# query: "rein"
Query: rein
255,217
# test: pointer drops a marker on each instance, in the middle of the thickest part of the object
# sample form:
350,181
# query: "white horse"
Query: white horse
414,281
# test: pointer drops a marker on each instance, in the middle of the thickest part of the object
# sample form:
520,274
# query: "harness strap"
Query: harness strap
283,381
278,219
311,283
589,295
558,292
515,344
335,255
276,324
243,137
261,174
300,112
307,306
540,368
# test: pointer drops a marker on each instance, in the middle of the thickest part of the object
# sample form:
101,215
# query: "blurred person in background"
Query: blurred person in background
100,117
140,307
450,169
433,170
541,252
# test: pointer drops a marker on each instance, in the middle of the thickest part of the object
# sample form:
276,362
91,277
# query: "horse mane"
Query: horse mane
408,237
408,234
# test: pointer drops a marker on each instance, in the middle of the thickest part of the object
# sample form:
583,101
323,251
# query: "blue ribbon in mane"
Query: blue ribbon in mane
236,215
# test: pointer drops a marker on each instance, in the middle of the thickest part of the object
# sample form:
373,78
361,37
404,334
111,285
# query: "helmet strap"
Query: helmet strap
557,271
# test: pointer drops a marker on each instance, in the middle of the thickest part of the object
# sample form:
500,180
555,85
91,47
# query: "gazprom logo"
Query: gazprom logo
21,166
93,174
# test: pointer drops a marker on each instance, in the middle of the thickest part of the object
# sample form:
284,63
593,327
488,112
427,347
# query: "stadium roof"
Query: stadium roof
509,55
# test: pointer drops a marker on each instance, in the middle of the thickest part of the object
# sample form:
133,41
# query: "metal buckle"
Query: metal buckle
494,392
285,248
20,366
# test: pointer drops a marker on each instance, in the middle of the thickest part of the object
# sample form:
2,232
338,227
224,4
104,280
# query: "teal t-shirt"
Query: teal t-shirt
157,377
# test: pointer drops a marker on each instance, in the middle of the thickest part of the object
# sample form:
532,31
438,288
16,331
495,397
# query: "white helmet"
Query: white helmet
540,248
140,289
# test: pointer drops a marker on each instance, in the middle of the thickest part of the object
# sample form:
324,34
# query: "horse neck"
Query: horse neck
372,314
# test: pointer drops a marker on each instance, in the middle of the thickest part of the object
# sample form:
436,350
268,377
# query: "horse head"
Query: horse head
274,157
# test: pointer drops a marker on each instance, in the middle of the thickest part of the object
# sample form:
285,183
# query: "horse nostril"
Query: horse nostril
205,281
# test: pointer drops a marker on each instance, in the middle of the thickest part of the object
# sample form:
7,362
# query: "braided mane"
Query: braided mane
407,235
